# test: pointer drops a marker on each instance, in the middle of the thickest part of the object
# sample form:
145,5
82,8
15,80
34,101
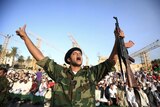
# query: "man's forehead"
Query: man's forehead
76,51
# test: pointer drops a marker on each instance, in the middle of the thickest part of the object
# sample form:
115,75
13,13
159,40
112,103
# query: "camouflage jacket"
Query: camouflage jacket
74,90
4,90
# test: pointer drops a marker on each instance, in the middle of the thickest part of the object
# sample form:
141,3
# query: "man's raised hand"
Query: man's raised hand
21,32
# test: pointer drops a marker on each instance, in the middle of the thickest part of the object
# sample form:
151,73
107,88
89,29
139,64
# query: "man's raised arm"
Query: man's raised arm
36,53
114,55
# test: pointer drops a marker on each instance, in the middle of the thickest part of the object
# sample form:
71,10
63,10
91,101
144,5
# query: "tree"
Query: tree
0,50
13,54
28,61
20,60
156,65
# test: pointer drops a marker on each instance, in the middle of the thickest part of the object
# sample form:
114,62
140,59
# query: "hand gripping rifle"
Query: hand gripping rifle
123,56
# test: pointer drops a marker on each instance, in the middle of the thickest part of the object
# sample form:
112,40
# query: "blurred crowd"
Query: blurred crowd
36,87
113,91
30,86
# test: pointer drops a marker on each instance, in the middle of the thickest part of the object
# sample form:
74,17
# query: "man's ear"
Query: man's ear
69,60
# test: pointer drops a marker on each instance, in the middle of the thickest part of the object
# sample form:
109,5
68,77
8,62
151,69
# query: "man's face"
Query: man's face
76,58
1,73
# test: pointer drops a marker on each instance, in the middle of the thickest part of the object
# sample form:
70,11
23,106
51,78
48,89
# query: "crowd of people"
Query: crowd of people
27,86
37,87
113,91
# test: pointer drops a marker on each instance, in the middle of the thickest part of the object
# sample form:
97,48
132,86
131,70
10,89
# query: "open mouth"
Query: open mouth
78,59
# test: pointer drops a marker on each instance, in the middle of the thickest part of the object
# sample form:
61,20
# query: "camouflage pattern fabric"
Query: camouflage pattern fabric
4,91
74,90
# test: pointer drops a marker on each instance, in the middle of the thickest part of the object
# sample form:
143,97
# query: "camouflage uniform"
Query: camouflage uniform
4,91
74,90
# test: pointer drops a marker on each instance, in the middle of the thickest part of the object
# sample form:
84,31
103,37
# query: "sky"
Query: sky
90,22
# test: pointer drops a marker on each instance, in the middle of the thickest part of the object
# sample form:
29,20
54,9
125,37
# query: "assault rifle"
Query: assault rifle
123,56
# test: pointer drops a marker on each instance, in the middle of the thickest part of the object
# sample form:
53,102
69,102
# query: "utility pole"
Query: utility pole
4,48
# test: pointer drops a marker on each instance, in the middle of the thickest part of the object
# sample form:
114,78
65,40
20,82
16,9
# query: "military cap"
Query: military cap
69,52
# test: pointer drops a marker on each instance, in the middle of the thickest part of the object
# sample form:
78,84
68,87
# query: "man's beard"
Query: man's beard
75,64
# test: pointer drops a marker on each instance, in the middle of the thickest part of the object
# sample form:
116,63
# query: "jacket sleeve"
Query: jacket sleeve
51,68
99,71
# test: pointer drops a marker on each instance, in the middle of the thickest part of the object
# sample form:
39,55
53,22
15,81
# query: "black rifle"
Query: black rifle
123,56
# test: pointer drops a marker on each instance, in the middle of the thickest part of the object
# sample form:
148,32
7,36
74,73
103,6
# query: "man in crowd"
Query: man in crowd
75,86
4,87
